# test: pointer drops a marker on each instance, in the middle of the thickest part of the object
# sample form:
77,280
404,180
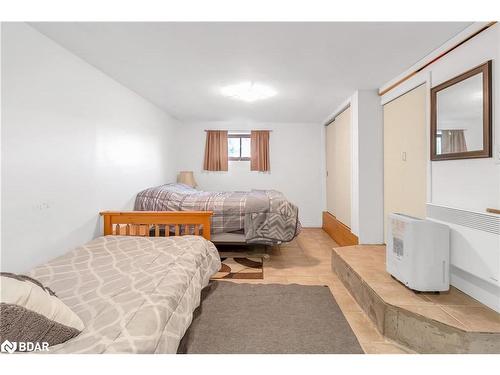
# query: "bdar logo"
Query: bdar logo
8,347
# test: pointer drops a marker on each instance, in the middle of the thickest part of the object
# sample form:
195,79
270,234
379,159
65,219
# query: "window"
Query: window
238,147
439,138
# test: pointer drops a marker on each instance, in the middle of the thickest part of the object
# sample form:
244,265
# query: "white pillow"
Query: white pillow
30,312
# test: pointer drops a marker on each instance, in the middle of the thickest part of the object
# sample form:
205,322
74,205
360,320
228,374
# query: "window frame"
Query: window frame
239,158
439,138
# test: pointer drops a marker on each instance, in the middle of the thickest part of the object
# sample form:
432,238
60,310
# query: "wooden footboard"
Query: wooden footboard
157,224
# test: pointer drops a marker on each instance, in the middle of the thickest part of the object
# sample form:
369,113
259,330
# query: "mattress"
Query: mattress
133,294
264,216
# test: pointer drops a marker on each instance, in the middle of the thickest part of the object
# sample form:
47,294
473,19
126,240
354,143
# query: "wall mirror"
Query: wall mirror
461,116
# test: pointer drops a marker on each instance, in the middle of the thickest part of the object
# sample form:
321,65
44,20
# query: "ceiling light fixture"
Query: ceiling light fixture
477,95
248,91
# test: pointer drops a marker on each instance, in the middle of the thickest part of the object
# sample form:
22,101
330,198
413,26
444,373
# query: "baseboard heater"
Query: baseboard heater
474,251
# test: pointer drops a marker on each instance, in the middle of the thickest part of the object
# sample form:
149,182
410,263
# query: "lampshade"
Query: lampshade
186,177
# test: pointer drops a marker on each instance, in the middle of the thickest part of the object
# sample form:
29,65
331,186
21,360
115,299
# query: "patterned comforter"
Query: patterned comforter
265,216
133,294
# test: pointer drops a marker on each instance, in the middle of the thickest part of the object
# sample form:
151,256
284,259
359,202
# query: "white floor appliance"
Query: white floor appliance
418,253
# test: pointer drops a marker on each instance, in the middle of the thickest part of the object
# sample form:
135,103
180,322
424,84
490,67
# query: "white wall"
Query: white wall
370,158
297,164
468,184
74,142
472,183
367,178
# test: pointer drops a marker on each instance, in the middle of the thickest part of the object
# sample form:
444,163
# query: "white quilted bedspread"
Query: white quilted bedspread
134,294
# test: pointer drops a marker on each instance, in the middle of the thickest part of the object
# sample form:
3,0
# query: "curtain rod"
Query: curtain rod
239,131
458,44
337,113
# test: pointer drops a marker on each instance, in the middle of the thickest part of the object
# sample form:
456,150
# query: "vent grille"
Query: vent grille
398,247
470,219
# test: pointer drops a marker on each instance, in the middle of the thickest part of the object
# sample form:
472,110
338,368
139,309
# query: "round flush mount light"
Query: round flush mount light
248,91
477,95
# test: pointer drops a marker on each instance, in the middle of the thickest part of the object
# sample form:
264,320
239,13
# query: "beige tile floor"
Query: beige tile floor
307,261
454,307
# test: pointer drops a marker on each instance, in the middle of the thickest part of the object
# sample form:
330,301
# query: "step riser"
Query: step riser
415,331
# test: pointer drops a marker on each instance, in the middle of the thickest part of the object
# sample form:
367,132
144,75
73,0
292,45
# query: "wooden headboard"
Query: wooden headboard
157,223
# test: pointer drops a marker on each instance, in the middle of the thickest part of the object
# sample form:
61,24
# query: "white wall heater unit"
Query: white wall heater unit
418,253
474,251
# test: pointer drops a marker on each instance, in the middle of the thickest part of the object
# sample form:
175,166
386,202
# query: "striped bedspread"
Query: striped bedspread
265,216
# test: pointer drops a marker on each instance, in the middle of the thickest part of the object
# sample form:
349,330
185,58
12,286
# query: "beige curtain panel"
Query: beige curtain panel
259,146
453,141
216,151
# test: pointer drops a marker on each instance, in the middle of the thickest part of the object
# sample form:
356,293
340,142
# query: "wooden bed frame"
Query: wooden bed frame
157,223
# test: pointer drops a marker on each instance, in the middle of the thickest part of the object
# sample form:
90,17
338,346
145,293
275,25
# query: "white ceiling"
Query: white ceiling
460,106
313,66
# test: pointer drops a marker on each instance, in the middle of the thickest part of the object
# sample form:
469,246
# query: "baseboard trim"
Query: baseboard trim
338,231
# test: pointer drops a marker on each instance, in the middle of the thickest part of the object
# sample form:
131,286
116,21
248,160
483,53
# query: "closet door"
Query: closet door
405,155
338,166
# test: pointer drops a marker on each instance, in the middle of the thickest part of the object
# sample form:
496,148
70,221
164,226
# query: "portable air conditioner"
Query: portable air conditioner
418,253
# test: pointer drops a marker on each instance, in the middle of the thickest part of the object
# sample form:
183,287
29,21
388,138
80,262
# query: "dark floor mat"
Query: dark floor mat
268,318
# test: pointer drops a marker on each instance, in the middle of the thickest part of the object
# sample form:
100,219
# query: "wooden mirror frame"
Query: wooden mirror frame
486,152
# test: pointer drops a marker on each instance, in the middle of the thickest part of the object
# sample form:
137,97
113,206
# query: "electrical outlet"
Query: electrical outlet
403,156
41,206
497,155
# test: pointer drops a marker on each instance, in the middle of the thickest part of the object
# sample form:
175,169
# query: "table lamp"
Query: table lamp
187,178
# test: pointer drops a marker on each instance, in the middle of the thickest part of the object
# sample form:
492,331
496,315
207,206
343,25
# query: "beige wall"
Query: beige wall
338,166
405,138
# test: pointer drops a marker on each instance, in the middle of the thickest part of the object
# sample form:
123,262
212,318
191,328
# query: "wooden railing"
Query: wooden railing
157,223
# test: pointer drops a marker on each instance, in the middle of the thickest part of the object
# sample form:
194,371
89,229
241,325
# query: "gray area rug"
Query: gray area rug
268,318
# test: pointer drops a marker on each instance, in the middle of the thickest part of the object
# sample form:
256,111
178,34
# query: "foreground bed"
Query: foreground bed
134,294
